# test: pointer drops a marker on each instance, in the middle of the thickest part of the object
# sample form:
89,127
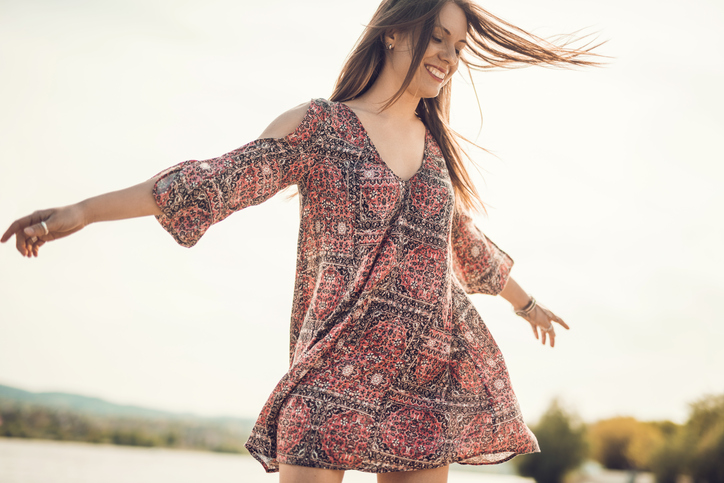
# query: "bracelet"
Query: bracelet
525,311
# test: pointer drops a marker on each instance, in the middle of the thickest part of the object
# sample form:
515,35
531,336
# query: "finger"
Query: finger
29,244
535,329
544,336
10,231
35,230
555,318
553,339
21,243
35,249
17,228
560,321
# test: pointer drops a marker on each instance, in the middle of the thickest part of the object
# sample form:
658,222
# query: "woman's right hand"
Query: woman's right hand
30,234
131,202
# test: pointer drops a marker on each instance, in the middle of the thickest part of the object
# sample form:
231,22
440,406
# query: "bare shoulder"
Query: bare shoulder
287,122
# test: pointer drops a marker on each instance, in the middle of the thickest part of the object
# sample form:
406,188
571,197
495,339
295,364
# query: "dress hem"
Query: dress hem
305,462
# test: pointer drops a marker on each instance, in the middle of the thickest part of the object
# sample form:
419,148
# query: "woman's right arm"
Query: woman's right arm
138,200
131,202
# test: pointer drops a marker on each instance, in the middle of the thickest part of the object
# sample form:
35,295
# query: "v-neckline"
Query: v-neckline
379,156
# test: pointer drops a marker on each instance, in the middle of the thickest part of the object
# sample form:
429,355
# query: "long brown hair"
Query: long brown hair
492,43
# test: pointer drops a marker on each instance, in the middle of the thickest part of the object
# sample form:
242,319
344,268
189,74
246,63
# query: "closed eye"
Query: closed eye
457,51
438,40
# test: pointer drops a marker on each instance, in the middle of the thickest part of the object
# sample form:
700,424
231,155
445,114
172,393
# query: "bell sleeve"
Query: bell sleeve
194,195
479,265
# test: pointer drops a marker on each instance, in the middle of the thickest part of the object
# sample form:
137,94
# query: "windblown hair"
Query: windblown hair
492,43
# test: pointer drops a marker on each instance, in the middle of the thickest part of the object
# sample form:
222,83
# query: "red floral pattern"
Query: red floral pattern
346,437
293,422
412,433
423,273
391,367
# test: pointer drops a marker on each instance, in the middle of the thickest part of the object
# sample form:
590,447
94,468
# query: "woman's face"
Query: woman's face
441,57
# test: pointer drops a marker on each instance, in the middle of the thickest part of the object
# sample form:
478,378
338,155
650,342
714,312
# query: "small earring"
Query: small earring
389,46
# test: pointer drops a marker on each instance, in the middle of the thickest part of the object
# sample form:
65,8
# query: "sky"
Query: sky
603,184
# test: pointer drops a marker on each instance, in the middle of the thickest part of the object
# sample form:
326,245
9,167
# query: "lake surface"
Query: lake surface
39,461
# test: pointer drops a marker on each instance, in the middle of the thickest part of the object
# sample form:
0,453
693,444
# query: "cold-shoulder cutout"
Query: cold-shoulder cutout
286,123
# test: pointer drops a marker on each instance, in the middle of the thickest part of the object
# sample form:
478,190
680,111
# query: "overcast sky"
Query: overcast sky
605,188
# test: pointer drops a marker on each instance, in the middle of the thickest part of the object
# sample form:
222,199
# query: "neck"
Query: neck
384,88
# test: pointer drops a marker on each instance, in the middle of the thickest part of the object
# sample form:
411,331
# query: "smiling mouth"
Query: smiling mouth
436,73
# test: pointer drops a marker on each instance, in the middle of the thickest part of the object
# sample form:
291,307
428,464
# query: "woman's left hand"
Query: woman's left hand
542,318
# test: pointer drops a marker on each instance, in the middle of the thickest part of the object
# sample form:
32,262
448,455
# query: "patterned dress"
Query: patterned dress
391,367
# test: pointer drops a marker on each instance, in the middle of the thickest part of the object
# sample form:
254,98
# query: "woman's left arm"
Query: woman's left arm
534,313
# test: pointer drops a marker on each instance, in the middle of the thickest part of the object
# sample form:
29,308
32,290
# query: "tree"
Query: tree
704,435
610,439
624,443
697,448
562,439
645,439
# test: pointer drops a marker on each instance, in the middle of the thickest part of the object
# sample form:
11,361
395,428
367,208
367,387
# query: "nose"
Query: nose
449,55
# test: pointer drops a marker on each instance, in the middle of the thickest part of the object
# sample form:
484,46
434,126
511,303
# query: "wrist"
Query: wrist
84,210
527,309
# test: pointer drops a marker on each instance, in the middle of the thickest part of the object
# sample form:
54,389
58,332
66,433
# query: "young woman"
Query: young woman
392,370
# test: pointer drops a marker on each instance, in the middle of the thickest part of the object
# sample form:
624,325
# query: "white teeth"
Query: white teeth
436,72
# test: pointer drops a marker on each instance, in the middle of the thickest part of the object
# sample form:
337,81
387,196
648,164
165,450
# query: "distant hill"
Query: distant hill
71,417
100,407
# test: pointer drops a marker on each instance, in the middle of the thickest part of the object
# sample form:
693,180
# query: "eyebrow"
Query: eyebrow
448,32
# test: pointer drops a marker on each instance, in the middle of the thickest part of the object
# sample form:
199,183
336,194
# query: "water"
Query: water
39,461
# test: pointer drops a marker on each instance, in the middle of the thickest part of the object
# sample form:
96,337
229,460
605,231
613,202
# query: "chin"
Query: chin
426,93
432,91
432,94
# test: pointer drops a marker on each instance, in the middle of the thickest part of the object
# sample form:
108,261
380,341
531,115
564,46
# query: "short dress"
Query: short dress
391,367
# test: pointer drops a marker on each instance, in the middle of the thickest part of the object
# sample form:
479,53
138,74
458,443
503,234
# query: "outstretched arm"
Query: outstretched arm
538,317
33,231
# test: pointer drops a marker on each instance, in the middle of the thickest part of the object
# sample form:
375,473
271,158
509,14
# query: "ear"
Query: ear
390,37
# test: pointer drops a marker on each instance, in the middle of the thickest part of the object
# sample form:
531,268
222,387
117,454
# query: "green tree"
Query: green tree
667,461
704,433
563,444
610,439
645,439
624,443
697,448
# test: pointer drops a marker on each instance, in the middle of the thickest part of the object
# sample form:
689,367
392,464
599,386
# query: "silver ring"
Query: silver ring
33,239
549,329
45,227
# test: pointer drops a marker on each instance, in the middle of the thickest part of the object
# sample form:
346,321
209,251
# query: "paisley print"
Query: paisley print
329,288
376,264
293,420
428,198
466,374
433,358
380,191
391,367
365,368
423,272
346,436
412,433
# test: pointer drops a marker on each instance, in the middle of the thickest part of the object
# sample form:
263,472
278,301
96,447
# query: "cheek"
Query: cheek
401,62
